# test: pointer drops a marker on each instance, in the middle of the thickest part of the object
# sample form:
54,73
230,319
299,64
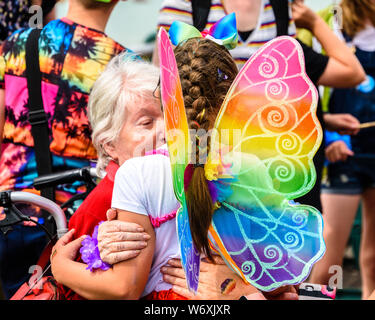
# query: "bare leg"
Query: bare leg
339,212
367,250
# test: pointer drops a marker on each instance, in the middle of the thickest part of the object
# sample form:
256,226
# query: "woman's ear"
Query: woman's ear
110,149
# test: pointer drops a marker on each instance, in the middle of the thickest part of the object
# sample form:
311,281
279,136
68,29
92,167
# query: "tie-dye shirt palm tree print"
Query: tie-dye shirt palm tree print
71,58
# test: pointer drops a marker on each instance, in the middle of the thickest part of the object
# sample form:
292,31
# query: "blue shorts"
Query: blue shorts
351,177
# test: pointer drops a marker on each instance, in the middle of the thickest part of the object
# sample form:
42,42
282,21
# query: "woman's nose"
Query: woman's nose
160,131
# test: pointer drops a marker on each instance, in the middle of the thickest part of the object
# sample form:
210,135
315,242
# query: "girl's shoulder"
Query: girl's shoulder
153,163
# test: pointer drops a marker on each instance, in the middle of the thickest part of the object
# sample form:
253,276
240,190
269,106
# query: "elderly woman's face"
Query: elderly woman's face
142,131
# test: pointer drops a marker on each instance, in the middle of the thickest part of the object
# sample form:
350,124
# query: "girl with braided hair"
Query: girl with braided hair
206,71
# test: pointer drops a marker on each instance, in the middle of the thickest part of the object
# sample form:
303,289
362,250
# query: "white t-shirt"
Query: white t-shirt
144,185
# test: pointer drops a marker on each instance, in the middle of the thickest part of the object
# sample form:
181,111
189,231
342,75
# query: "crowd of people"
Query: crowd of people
102,105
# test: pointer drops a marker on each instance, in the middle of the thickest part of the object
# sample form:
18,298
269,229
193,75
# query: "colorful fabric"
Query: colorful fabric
181,10
71,58
262,148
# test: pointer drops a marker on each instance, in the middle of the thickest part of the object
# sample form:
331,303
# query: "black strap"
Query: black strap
281,12
201,9
37,116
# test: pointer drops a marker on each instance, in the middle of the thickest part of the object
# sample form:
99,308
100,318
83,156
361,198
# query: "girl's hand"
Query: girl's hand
338,151
64,250
119,240
216,282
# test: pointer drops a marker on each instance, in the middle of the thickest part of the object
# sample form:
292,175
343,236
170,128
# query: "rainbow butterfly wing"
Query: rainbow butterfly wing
268,132
177,135
270,111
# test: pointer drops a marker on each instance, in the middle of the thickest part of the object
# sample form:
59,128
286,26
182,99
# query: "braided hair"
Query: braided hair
206,71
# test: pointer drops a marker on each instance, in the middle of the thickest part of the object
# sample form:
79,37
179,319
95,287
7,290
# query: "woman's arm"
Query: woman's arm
343,68
125,280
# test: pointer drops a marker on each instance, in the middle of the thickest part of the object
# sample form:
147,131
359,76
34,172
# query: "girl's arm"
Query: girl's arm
125,280
343,68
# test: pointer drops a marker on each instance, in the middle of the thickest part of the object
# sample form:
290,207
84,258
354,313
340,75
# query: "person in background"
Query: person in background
73,51
351,169
256,22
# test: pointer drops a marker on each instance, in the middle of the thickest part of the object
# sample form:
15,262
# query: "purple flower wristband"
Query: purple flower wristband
90,252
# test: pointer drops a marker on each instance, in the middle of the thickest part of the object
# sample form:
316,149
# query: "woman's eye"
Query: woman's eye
146,122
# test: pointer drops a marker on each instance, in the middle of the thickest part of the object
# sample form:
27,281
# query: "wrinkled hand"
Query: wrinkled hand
338,151
119,240
211,279
303,16
343,123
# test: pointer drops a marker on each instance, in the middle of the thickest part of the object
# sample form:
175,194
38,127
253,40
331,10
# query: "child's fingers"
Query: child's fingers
174,280
65,239
182,291
175,263
173,272
76,244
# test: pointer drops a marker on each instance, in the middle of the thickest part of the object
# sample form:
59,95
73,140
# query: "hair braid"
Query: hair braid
199,62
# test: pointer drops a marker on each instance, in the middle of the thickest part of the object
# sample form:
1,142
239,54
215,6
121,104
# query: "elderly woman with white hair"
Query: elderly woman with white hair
127,121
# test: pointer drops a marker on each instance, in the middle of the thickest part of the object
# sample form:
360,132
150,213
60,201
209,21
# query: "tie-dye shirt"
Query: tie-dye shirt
71,58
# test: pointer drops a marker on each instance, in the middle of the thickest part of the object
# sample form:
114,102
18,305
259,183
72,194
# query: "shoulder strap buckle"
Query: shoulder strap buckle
37,117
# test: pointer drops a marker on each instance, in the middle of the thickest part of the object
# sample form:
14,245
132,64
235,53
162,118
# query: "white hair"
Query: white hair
125,81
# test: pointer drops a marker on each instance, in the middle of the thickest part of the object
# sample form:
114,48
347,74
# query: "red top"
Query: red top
93,210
